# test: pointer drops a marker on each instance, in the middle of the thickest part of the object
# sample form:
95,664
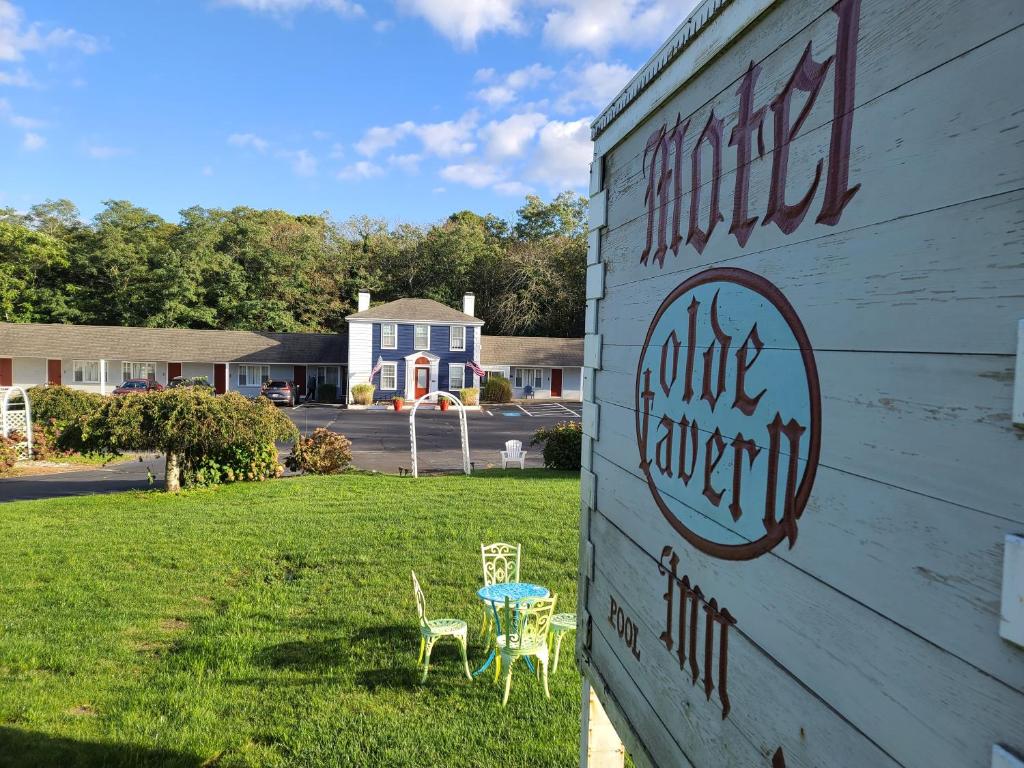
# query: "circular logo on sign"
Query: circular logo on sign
728,413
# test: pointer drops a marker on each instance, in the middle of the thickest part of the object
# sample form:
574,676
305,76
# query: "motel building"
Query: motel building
423,346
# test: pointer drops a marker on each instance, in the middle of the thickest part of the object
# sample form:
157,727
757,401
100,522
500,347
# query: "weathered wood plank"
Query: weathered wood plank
934,567
950,280
804,727
913,421
876,674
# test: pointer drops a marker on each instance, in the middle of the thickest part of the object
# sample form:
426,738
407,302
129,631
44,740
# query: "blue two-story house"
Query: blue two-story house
423,346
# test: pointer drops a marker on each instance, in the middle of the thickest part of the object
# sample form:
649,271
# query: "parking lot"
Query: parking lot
380,438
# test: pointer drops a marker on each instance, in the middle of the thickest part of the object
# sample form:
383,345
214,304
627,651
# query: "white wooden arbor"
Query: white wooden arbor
463,430
16,417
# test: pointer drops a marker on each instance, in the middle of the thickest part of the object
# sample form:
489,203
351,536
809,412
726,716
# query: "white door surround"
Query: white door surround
410,373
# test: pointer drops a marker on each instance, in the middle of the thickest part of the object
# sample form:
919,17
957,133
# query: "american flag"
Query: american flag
377,367
474,366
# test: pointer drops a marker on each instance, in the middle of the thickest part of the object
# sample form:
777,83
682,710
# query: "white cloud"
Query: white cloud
593,86
563,156
363,169
207,170
289,7
248,141
511,137
597,25
508,88
474,174
321,135
8,115
104,152
462,21
409,163
383,25
303,163
513,188
16,39
484,75
33,141
438,190
18,79
445,139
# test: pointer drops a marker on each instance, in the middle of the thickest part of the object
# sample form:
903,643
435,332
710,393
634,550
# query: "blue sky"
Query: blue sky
405,109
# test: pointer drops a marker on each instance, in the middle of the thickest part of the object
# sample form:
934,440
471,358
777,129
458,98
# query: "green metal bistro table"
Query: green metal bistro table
495,594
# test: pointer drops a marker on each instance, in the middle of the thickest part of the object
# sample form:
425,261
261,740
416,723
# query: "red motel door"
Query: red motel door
6,372
220,378
173,371
53,372
556,382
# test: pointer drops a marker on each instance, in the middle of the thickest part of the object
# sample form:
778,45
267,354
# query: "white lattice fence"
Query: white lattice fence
16,418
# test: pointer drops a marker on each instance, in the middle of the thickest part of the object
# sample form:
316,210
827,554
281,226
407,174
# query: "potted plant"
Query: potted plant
398,401
443,402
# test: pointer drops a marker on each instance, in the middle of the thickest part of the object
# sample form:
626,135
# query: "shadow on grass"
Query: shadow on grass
24,748
301,655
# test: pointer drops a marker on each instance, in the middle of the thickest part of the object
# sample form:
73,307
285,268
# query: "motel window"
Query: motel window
253,375
327,374
422,340
137,370
456,376
86,371
458,338
529,377
388,336
389,376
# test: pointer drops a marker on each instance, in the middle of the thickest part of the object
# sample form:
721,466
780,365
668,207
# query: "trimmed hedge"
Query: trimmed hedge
497,389
362,394
469,396
563,445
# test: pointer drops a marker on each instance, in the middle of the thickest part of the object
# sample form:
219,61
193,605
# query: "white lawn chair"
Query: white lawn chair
513,454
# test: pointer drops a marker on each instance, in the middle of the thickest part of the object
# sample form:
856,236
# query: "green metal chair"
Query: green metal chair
501,566
525,633
432,630
560,624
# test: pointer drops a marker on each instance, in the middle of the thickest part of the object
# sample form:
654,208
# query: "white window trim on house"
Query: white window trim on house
452,367
129,368
462,344
394,336
242,375
388,370
81,368
536,379
416,337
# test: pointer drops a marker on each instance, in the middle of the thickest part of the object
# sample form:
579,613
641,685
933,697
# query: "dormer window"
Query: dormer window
388,336
458,338
422,337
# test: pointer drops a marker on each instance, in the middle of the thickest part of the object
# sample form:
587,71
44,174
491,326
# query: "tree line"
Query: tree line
268,270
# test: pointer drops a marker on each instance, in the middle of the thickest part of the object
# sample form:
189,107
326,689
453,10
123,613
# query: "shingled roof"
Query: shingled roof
94,342
416,310
531,350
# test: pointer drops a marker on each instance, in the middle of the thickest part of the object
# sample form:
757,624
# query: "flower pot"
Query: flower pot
398,403
444,403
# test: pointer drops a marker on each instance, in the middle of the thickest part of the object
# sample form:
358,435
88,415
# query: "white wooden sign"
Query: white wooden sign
800,464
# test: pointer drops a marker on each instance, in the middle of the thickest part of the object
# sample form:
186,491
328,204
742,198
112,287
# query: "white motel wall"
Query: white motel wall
802,481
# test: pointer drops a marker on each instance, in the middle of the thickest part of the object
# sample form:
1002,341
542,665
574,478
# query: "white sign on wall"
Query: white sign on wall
800,465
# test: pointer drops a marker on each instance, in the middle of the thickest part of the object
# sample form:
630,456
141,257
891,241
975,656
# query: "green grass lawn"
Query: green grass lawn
273,624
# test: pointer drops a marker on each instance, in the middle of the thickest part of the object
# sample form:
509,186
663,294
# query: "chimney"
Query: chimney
469,304
364,301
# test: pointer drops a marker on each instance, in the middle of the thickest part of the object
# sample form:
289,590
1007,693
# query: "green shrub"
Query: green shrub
322,453
563,445
469,396
59,412
8,455
195,428
362,394
497,389
236,463
326,393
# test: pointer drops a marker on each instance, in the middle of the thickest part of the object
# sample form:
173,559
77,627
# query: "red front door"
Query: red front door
173,371
422,377
220,378
53,372
556,382
6,372
299,377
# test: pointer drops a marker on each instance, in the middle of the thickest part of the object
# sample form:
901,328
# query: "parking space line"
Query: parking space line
517,405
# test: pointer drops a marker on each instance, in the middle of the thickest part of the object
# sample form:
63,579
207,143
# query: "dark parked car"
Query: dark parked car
138,386
280,392
188,381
